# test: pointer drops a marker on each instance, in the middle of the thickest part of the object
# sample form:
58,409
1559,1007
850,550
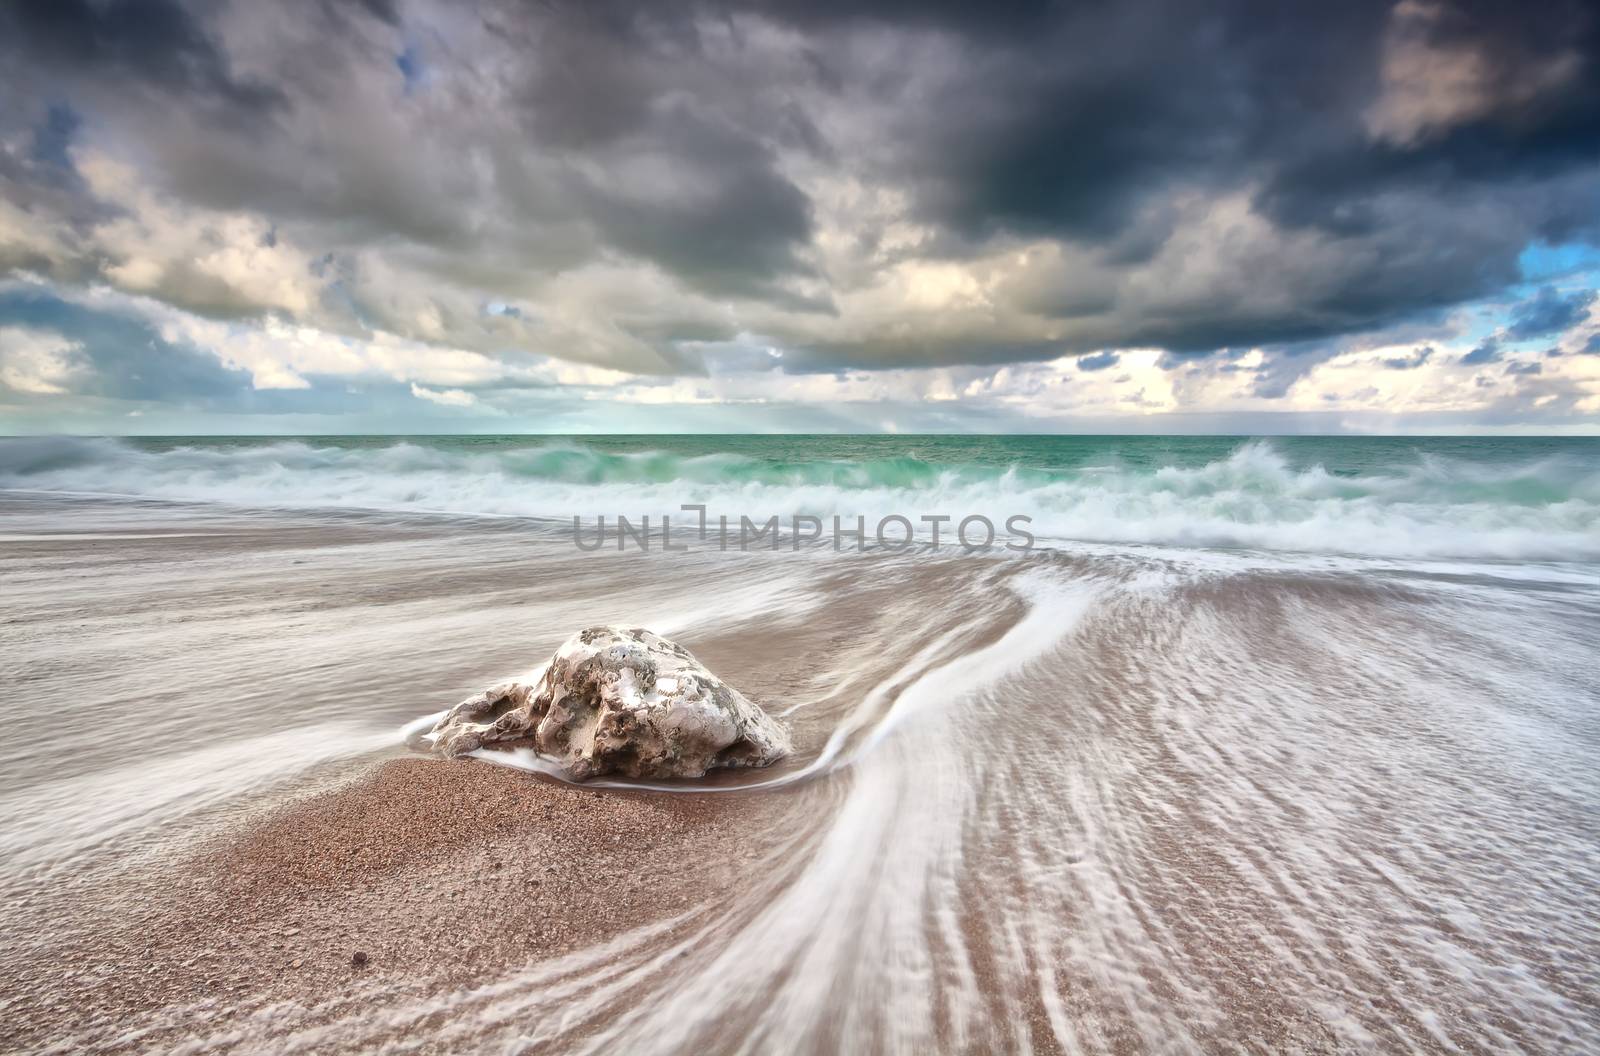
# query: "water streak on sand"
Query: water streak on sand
1105,797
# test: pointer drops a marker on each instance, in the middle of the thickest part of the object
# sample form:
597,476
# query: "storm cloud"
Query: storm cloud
809,188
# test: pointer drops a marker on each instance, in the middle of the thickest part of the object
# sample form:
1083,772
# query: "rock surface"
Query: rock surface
618,701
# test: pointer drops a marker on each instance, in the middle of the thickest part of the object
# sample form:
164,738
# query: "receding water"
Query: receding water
1270,745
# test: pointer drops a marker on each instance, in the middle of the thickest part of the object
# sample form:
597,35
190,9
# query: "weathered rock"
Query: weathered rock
619,701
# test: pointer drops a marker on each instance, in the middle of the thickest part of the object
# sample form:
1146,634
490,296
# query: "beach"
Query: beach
1323,787
777,528
418,876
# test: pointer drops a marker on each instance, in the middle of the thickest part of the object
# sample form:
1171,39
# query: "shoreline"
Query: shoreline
1117,801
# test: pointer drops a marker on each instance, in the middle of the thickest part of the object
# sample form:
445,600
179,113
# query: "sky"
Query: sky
1142,216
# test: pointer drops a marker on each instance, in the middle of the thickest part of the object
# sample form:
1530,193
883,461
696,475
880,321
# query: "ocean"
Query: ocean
1277,744
1496,498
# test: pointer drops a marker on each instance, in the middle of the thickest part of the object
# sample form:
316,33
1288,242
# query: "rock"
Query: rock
618,701
358,959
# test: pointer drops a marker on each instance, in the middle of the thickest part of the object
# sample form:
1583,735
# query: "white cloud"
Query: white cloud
197,258
448,397
38,362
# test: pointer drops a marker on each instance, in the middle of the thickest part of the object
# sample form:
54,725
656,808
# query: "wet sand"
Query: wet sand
1104,802
416,872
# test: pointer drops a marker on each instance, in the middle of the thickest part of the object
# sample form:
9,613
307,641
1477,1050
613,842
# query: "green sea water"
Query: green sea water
1337,454
1507,498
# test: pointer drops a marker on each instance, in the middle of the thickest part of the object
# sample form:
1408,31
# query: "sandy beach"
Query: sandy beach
417,873
1096,798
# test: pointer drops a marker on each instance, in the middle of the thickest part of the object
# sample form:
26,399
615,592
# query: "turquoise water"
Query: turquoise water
1340,455
1507,498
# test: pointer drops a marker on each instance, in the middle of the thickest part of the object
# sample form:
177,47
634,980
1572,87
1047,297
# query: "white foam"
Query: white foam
54,824
1427,508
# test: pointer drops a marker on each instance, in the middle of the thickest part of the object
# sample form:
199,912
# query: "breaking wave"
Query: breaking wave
1416,506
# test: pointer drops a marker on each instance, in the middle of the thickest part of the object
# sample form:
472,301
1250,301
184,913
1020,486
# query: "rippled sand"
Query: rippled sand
1103,800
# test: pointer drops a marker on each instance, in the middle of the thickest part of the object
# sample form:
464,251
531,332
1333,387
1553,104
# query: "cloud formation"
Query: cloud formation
1410,362
1549,312
642,198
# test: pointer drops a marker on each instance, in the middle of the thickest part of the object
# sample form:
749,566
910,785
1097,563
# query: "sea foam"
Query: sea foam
1414,506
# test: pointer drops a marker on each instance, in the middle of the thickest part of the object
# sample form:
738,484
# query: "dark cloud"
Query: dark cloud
1486,352
138,42
1524,368
1098,361
1277,374
1549,312
52,136
827,357
671,129
1591,347
1094,123
740,222
1411,362
1228,174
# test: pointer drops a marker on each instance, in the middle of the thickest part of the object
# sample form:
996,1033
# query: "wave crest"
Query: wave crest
1425,506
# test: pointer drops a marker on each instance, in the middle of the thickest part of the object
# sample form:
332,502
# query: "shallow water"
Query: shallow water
1113,793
